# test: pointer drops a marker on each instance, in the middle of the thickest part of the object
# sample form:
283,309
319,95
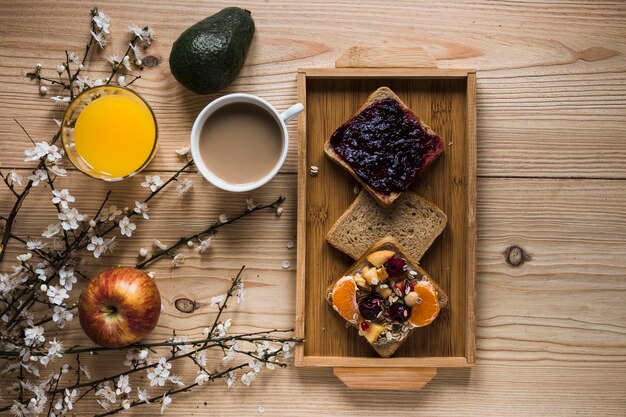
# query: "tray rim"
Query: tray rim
469,359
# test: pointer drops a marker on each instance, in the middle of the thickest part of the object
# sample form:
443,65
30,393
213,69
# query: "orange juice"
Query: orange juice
115,135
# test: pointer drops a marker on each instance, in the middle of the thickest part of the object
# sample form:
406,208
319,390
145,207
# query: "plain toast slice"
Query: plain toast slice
413,221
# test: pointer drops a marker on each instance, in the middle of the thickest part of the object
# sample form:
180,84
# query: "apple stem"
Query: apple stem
108,310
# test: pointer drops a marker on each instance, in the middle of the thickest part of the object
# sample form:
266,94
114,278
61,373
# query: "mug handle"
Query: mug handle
291,112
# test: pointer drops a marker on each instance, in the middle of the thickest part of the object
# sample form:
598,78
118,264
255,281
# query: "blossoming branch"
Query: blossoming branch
38,297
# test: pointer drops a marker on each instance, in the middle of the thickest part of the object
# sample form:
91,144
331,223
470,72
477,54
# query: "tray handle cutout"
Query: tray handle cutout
386,379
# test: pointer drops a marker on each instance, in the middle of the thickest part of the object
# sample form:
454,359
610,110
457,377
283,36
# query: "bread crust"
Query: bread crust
381,93
347,249
385,350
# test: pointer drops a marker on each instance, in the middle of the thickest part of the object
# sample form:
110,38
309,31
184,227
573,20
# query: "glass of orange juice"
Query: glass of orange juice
109,133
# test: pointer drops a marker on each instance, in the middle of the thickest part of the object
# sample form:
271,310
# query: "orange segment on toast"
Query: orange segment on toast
344,298
427,308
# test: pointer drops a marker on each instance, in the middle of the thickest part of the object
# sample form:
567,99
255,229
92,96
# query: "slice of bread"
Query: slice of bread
387,348
414,221
380,94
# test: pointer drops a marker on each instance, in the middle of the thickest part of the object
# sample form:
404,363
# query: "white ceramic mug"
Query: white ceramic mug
280,118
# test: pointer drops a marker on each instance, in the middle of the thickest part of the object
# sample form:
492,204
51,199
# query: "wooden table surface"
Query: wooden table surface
551,106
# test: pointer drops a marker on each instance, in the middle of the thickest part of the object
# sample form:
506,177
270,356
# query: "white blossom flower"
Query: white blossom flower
146,34
61,100
183,151
250,203
152,182
58,170
158,244
136,29
126,63
14,178
99,37
223,218
248,377
43,90
55,294
178,260
67,278
38,176
231,353
202,377
136,357
122,385
203,246
61,68
96,246
165,402
35,244
222,328
288,349
61,316
269,364
160,373
33,336
109,214
126,404
126,227
24,257
136,51
70,218
142,395
142,208
255,365
74,58
106,393
121,80
143,252
184,186
200,357
229,378
43,149
62,197
177,380
55,350
52,230
70,398
114,59
85,371
102,21
241,293
217,299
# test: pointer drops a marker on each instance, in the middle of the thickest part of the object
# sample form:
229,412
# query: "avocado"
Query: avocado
208,56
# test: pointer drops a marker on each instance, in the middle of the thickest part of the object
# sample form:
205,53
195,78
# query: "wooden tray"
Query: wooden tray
445,100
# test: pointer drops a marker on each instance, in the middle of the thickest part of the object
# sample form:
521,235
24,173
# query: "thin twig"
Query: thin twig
117,66
209,230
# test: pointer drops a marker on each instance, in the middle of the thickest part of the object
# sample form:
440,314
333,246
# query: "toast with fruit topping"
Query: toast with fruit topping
414,221
386,295
384,145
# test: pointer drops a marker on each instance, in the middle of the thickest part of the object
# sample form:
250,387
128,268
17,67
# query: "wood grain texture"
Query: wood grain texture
551,99
550,85
550,333
385,57
442,104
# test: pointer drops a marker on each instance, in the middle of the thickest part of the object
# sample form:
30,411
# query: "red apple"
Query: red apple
119,306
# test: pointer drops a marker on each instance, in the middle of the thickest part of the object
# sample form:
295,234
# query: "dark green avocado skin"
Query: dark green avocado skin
208,56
